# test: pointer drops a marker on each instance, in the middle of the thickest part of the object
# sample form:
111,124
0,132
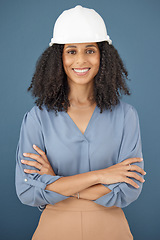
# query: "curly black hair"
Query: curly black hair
49,82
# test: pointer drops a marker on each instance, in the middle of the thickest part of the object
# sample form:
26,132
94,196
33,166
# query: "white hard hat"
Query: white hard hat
79,25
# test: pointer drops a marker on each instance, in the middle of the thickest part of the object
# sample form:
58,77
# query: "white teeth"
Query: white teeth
81,71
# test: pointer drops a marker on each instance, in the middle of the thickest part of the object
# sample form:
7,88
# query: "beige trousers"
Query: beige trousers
80,219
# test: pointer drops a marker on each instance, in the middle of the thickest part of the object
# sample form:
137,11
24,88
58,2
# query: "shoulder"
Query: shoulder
125,108
35,114
41,115
129,114
123,112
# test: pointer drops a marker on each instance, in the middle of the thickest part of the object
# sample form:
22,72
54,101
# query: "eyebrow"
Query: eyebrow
85,46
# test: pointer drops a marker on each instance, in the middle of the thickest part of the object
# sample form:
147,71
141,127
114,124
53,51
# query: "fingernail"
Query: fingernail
22,161
137,186
25,170
143,180
141,159
34,145
145,173
24,154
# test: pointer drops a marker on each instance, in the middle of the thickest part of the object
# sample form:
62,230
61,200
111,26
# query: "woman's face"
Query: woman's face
81,62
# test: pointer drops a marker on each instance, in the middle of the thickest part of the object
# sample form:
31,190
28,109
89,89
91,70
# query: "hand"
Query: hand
122,172
41,162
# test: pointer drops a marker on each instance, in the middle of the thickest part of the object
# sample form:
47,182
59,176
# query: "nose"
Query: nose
80,58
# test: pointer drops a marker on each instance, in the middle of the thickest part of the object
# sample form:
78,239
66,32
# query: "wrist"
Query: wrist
97,176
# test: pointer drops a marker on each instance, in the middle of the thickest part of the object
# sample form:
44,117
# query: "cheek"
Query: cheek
66,62
96,62
95,59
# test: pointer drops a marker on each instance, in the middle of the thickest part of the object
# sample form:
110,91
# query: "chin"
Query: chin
81,81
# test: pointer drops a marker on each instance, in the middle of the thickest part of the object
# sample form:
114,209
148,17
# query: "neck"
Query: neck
81,94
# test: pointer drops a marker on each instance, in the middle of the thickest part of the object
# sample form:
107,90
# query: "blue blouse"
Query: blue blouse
109,138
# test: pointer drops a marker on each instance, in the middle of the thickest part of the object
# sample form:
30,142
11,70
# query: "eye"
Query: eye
71,52
90,51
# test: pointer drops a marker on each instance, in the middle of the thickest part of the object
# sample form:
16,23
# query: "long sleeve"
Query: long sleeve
30,188
122,194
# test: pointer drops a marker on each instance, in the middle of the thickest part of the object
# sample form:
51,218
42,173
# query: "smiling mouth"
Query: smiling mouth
81,70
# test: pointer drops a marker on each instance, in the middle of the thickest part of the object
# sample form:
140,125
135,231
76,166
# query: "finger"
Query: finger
132,160
32,163
31,171
42,153
136,176
137,169
131,182
34,156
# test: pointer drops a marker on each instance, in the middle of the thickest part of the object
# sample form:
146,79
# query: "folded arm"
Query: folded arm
69,186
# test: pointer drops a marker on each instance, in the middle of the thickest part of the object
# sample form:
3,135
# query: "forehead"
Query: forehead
81,45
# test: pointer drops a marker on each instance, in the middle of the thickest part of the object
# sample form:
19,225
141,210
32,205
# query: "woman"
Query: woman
79,156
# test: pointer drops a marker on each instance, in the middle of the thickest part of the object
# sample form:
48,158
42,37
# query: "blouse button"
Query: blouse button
25,179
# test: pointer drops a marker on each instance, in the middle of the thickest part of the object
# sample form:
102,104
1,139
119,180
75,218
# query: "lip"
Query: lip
80,73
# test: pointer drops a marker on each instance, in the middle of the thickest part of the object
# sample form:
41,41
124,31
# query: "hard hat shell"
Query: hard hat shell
79,25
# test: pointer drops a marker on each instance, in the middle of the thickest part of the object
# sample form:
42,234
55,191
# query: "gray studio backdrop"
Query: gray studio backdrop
26,30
